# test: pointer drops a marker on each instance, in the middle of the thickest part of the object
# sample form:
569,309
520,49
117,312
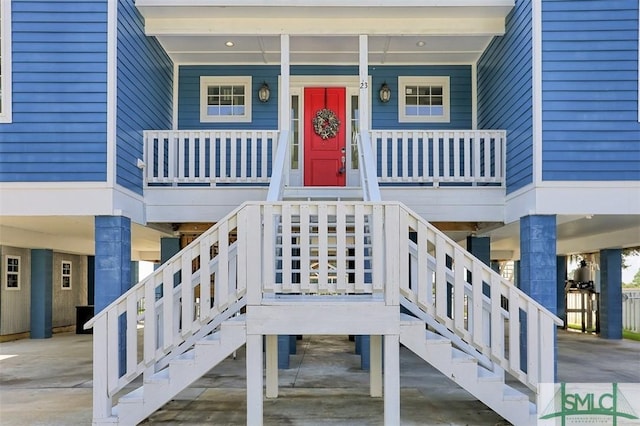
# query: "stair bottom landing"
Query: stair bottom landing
325,384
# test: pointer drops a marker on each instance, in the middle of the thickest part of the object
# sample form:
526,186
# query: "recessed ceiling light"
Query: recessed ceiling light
420,43
229,44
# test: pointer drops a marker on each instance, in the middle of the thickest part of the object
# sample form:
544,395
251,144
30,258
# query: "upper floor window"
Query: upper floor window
225,99
423,100
5,61
66,275
12,272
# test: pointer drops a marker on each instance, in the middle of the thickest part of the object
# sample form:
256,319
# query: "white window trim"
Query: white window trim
62,275
443,81
5,51
6,272
245,81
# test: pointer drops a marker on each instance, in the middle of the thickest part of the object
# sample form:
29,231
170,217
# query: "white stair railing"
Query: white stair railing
477,304
185,298
440,156
381,251
368,175
280,169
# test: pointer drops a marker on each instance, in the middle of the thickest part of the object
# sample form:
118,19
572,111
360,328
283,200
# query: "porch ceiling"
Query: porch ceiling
404,32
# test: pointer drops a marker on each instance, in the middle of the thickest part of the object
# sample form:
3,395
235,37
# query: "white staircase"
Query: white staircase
159,388
277,261
463,369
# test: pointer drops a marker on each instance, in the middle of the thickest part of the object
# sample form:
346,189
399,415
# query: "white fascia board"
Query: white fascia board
55,199
327,3
129,204
576,198
318,26
451,204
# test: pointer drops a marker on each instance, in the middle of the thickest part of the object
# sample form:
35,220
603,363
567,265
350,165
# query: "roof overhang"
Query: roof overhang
404,31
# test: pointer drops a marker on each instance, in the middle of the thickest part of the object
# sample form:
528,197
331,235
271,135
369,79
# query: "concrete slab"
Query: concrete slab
48,382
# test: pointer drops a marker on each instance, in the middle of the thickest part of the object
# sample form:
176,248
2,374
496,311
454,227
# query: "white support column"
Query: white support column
363,101
272,366
375,366
254,379
285,97
391,379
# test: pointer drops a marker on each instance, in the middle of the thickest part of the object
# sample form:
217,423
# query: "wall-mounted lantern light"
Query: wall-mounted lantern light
385,93
264,92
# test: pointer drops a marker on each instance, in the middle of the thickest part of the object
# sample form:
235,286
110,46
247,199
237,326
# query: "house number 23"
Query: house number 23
364,84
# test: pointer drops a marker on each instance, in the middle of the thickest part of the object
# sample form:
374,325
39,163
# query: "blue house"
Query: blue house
306,167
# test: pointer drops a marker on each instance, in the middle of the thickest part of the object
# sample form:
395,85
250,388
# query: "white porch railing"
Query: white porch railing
440,156
631,309
209,157
433,157
354,249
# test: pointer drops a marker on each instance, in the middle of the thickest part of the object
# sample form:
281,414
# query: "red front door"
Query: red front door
324,158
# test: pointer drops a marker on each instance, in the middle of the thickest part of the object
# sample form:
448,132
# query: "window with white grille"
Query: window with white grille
12,272
225,99
424,100
66,275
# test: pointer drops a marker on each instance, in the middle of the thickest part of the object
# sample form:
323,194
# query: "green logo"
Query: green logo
576,401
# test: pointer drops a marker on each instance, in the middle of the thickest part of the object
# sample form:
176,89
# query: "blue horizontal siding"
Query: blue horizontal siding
385,116
59,61
145,93
590,90
265,115
505,93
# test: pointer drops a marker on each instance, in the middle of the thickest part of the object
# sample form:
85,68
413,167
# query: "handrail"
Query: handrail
368,175
279,168
474,302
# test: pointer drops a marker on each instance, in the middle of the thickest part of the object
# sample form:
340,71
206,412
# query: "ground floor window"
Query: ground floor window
12,281
66,275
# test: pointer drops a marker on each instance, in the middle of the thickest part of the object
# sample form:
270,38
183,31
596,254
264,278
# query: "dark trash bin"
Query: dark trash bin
83,314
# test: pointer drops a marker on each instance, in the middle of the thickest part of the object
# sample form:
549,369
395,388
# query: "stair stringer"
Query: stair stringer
485,385
182,371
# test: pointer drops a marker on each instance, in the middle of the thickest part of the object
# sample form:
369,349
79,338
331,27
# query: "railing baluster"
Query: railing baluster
478,311
466,146
167,307
222,137
132,334
268,222
113,351
286,248
205,276
202,155
341,249
459,291
405,155
305,244
359,248
378,247
441,277
415,146
455,142
222,275
487,157
497,319
533,345
150,324
323,259
191,165
384,162
514,330
187,292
